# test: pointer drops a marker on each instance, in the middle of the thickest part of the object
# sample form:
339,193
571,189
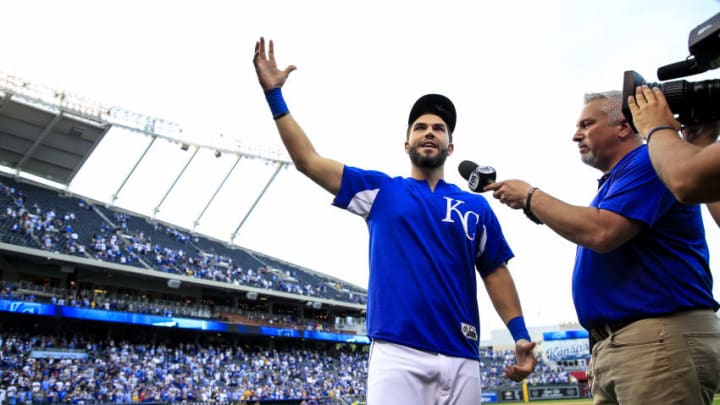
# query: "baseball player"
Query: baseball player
427,239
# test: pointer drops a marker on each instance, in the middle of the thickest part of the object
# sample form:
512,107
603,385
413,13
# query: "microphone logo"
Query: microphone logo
481,177
477,176
474,180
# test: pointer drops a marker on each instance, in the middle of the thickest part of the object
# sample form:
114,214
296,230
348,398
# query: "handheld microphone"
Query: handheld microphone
477,176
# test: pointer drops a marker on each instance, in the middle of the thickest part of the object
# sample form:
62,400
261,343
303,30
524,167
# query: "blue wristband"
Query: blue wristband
657,128
276,102
517,328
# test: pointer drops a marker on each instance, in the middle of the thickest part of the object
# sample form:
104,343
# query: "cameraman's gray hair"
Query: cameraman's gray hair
613,105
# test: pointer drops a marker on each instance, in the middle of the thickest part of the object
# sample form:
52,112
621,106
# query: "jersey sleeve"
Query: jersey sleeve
358,190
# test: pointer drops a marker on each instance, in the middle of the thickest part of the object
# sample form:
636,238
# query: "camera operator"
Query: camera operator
641,283
690,168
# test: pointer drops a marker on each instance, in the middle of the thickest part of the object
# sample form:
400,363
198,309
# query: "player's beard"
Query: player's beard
428,162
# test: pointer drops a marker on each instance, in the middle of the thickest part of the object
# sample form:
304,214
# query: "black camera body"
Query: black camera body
692,102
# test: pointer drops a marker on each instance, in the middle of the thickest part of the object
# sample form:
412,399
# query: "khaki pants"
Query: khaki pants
667,360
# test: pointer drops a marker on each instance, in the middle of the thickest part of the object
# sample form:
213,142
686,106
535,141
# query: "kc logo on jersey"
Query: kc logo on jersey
468,219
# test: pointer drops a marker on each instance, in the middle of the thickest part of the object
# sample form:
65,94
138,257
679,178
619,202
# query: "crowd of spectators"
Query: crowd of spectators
137,303
104,375
83,370
51,231
115,241
494,363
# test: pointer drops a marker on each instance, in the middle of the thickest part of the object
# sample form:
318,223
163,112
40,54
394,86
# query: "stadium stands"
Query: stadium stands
40,218
69,362
54,363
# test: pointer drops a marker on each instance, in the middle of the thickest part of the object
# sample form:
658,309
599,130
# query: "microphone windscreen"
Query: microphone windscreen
466,167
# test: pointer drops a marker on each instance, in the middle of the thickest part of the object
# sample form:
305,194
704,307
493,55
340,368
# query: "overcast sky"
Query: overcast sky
516,71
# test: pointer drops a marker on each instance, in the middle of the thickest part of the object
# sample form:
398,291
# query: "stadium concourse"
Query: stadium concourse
100,304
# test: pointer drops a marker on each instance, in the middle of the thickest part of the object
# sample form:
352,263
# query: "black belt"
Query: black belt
602,333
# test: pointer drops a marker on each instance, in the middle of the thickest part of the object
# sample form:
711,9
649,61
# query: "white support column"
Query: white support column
115,195
197,220
257,200
182,171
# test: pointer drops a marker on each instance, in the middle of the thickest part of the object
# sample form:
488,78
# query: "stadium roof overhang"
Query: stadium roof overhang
50,133
49,143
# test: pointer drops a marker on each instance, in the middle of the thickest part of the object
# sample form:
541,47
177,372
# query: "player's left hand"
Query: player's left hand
525,361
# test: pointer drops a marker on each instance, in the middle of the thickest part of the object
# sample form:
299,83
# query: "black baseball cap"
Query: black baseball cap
434,104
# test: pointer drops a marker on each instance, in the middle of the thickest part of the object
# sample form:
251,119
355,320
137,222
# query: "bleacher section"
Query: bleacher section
27,220
36,217
309,284
115,365
171,366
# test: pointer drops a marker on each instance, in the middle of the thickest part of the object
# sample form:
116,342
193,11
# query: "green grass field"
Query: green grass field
581,402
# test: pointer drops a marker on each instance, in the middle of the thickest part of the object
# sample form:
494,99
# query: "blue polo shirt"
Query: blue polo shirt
662,270
424,248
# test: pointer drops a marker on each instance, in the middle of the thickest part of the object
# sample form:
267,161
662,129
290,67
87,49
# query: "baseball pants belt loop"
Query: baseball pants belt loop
607,329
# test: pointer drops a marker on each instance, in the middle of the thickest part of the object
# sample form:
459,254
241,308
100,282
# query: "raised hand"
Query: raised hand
269,76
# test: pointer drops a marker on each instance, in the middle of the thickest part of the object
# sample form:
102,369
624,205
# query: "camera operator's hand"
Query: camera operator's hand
650,109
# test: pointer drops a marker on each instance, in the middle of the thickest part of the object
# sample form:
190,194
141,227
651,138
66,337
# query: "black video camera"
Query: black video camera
692,102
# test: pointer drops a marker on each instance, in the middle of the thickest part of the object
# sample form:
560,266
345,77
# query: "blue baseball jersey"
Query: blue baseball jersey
662,270
424,248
